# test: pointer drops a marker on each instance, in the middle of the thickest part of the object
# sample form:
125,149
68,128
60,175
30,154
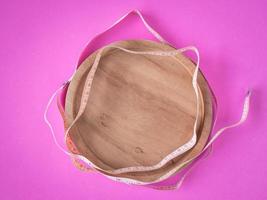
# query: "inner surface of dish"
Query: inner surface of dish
140,109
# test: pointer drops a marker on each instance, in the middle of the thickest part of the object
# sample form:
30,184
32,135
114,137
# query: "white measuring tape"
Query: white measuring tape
175,153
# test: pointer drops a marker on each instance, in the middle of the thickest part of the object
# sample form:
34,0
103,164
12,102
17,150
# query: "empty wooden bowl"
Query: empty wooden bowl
140,109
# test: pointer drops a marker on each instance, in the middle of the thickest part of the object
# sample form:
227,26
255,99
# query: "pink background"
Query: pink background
40,45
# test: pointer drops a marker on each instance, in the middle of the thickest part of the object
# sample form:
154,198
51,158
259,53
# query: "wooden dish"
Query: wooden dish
141,108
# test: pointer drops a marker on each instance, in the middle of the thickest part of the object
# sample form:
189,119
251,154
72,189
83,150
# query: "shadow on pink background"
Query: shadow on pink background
40,45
